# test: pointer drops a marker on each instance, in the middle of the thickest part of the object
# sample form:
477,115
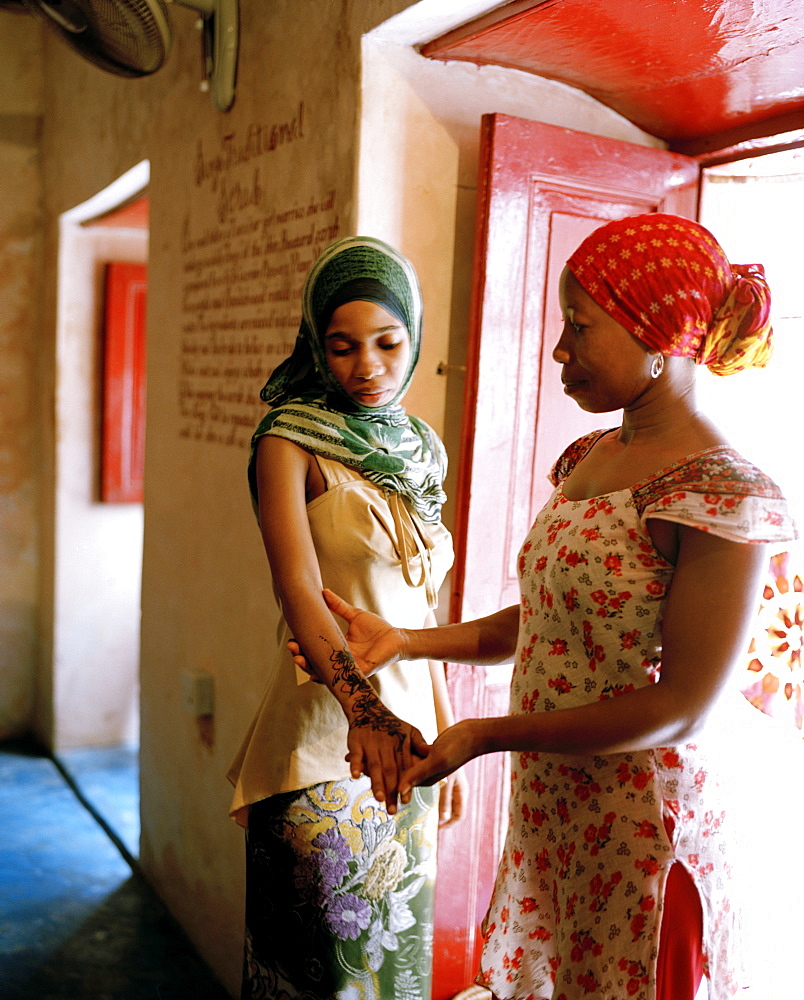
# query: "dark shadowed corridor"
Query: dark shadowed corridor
77,920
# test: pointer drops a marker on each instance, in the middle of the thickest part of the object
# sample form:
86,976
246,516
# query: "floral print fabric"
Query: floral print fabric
579,893
774,678
339,895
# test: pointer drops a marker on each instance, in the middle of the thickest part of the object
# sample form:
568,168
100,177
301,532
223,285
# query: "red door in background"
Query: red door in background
123,418
541,190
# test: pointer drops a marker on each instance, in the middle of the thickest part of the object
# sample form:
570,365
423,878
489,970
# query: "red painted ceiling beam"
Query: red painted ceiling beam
681,70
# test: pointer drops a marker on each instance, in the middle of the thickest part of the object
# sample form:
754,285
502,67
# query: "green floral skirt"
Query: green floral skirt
339,895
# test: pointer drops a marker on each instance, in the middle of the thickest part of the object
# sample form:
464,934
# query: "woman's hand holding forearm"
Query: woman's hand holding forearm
380,744
453,748
374,643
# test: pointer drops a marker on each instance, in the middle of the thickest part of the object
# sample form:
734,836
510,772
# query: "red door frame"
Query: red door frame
534,180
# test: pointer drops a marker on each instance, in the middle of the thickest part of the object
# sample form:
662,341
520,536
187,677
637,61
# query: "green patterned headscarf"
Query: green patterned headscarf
310,407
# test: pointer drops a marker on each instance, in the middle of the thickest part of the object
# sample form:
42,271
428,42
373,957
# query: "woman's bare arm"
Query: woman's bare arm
709,612
379,743
375,643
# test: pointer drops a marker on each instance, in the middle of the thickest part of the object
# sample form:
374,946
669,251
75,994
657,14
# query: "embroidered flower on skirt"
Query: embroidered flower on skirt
340,895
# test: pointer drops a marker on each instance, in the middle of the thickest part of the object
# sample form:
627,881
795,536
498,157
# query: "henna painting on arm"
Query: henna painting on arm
368,710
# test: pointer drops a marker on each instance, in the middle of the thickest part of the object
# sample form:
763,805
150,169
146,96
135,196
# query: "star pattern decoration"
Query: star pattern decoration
774,676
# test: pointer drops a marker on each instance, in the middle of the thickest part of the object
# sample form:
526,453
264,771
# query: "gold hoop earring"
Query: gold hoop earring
657,366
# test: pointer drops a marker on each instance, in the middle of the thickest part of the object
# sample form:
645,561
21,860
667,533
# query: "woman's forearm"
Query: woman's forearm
639,720
710,606
325,647
481,642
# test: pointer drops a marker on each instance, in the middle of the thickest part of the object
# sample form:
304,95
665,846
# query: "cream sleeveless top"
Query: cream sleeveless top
378,555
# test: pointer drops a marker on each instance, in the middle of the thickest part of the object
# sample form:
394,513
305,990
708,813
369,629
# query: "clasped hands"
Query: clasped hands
375,644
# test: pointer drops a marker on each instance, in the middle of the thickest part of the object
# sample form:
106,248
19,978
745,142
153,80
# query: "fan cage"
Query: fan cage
125,37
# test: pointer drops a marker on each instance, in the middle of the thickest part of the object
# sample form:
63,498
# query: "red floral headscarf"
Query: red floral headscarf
668,282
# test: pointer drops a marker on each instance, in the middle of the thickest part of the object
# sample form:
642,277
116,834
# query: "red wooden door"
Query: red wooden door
123,444
541,190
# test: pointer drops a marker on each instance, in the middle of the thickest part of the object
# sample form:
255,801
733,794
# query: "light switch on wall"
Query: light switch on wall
198,692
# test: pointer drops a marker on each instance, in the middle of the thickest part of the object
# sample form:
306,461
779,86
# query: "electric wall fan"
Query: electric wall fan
132,37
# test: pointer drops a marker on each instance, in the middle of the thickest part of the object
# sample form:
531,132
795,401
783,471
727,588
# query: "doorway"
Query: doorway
97,544
755,207
511,319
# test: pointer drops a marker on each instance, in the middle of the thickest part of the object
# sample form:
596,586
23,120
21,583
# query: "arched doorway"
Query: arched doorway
97,543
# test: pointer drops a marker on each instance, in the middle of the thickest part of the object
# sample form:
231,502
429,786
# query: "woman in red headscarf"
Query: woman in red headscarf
639,582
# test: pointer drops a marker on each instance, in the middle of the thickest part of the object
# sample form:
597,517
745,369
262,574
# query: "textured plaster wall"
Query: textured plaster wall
95,128
20,401
265,185
240,204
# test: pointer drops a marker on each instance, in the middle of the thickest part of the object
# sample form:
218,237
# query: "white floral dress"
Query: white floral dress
578,898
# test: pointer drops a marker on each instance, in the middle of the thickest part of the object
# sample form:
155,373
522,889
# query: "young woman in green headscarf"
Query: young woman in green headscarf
348,492
633,859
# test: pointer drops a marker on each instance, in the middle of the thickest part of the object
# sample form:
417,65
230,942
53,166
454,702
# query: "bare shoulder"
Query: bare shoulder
677,442
616,462
277,453
700,434
282,464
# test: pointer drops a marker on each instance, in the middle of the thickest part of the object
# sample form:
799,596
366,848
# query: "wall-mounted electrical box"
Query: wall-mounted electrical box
198,692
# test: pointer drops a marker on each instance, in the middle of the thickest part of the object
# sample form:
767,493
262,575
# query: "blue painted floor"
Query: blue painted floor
77,920
107,781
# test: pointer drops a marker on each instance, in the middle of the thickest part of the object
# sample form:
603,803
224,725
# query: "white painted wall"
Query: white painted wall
419,145
98,546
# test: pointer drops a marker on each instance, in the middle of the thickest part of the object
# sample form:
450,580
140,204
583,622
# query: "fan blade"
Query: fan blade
65,14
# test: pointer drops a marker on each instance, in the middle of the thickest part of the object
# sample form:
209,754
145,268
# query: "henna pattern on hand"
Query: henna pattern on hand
369,711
